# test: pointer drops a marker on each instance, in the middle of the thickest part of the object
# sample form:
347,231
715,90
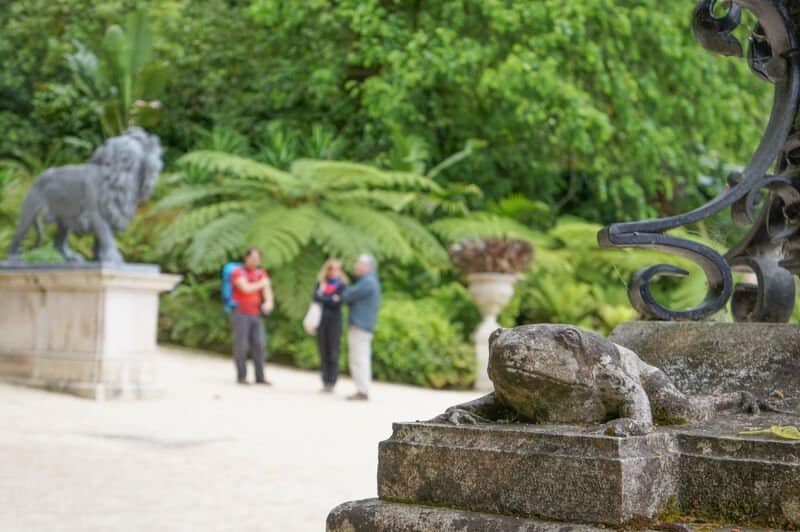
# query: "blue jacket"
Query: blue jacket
364,298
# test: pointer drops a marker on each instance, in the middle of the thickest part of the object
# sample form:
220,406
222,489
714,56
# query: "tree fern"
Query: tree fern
339,240
345,175
387,199
377,225
217,242
336,208
196,219
481,225
426,247
280,232
243,167
294,282
187,195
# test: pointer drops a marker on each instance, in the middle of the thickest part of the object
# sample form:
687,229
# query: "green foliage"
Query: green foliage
415,343
121,81
289,343
600,109
318,208
574,281
192,315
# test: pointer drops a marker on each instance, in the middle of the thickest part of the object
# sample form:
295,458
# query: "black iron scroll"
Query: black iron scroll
769,248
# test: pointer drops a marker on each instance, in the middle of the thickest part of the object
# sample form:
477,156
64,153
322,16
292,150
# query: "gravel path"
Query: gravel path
210,455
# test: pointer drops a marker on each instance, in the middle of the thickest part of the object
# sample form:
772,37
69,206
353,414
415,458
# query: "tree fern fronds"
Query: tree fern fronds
340,240
240,167
192,221
346,175
280,232
376,225
333,173
427,248
294,282
411,181
482,225
217,242
388,199
189,194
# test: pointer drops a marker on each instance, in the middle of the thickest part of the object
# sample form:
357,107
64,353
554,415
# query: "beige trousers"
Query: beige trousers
359,343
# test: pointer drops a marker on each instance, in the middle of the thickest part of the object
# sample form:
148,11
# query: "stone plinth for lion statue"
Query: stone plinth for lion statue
87,328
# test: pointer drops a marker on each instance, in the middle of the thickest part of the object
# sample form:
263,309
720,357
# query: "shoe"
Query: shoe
328,388
358,396
243,382
264,382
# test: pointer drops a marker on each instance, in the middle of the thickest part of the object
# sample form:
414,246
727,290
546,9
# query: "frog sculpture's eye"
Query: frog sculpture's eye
494,336
570,338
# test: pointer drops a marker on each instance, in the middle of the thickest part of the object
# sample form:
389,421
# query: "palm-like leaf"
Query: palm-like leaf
294,282
240,167
328,175
376,225
190,194
329,208
190,223
426,247
338,239
217,242
478,226
280,232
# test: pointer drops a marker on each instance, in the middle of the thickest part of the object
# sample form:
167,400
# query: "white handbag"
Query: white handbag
313,317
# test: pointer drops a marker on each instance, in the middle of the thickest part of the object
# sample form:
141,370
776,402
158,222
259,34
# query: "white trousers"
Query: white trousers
359,354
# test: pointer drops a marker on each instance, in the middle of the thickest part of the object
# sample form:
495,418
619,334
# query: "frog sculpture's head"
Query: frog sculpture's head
546,372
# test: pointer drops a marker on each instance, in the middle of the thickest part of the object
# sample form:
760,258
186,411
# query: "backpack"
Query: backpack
227,287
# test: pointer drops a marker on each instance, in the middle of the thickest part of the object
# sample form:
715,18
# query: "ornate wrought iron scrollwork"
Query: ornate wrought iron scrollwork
771,249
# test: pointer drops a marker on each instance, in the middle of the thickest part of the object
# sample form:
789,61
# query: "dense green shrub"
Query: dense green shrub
289,343
416,343
192,315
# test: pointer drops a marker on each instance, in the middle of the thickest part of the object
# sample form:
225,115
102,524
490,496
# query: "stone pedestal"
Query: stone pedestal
704,357
88,329
554,472
516,477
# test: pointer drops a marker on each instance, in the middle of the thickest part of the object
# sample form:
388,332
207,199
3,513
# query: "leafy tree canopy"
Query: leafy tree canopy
604,109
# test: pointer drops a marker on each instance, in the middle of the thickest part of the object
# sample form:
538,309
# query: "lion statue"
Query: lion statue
97,198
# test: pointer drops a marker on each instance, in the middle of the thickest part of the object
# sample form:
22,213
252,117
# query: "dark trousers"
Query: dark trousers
329,335
248,337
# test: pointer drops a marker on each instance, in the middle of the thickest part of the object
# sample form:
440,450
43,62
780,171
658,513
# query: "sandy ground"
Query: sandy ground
209,455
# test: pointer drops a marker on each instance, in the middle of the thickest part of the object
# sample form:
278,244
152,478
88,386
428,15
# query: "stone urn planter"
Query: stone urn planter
491,266
490,292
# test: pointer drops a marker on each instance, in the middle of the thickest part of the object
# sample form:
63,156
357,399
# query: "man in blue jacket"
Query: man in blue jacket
364,299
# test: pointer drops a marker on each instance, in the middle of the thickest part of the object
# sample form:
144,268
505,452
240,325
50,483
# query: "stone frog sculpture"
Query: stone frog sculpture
561,374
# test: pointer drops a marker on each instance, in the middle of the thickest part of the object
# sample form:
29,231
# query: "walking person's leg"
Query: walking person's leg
360,353
258,346
241,344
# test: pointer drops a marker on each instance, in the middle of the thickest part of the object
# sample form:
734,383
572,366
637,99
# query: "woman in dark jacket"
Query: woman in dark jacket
328,292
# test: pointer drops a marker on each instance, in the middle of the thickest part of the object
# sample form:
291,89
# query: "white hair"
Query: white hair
369,259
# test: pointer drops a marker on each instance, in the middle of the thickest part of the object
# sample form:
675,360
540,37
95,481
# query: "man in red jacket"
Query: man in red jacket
252,293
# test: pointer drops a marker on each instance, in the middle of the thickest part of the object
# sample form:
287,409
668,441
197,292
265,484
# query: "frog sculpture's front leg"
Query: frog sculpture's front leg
486,409
624,394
